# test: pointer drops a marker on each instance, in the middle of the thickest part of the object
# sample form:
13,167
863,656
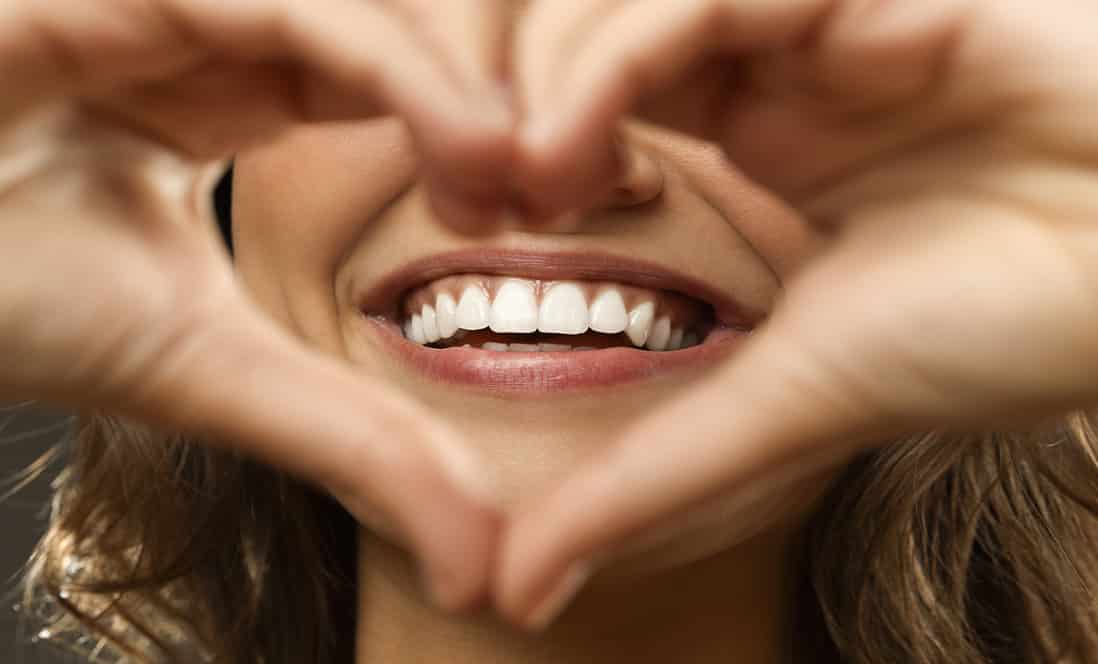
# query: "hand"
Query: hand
115,119
950,148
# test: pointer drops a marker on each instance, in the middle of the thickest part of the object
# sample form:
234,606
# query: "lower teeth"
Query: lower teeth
465,339
532,348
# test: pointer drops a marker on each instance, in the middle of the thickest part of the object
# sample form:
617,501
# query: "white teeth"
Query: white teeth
446,309
563,310
640,323
661,334
417,330
608,313
676,339
430,324
473,310
515,309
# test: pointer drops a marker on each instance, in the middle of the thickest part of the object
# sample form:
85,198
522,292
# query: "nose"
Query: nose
641,181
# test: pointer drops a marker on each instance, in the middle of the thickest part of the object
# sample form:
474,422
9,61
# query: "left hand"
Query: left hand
951,146
115,293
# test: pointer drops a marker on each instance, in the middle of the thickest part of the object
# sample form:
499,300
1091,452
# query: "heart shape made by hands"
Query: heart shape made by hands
909,131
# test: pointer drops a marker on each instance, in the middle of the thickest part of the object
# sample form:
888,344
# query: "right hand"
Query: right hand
115,121
947,152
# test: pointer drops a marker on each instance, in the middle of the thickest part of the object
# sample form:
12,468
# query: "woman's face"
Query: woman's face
334,237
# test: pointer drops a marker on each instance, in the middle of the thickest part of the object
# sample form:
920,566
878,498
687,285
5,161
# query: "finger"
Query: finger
218,110
772,422
363,57
373,51
72,47
546,37
546,40
470,39
235,376
636,50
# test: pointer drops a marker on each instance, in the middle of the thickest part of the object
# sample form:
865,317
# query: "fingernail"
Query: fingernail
550,608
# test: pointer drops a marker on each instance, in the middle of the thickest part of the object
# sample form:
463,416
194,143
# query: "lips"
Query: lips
515,321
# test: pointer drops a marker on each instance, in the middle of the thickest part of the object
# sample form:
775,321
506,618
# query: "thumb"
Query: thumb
769,419
240,379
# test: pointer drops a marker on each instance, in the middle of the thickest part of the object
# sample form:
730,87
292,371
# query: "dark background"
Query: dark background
25,434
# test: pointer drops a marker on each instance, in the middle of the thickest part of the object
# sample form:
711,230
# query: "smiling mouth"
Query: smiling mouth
531,323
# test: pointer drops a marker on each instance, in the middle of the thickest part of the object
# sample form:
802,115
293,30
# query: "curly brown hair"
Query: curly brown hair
938,549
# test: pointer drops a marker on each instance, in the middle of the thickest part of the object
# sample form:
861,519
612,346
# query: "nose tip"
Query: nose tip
641,182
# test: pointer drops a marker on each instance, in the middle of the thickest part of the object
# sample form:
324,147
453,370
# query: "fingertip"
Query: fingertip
562,172
458,576
560,595
458,537
532,598
510,598
467,164
521,570
477,134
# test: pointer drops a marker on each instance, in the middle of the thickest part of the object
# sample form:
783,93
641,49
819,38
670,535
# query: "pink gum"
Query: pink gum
683,311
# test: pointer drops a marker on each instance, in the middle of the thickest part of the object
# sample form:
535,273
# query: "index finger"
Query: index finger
363,55
637,50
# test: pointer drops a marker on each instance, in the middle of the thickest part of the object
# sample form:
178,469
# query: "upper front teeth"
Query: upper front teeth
563,309
515,308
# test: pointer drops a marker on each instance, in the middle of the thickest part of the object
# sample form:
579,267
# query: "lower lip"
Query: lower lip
542,372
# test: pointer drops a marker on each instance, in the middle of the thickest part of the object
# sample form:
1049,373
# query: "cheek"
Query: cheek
300,203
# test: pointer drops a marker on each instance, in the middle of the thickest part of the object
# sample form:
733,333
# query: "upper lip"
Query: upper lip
384,296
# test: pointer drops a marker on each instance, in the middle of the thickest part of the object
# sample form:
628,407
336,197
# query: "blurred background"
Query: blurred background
26,432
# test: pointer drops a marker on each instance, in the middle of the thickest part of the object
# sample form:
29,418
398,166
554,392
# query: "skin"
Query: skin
117,294
947,148
970,174
322,208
